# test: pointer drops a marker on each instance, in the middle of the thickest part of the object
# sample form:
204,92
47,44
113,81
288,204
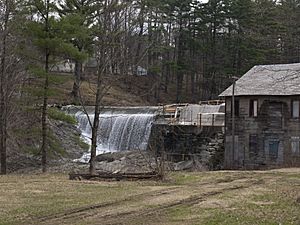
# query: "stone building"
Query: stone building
267,120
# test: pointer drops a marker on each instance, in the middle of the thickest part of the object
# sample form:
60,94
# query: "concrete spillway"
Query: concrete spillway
120,129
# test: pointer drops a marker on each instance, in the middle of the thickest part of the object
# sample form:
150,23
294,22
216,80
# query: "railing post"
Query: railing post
200,120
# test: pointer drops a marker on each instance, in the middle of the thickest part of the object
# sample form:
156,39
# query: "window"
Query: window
253,145
295,108
295,145
273,149
236,107
253,108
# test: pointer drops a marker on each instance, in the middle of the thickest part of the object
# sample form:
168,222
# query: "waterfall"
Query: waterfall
119,129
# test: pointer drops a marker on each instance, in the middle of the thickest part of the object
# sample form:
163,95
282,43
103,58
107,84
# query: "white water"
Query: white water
118,130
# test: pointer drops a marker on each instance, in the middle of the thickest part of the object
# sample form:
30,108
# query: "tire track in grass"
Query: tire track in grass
192,200
103,205
93,210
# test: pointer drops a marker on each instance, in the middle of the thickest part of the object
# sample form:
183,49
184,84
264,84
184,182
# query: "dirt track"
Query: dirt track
151,207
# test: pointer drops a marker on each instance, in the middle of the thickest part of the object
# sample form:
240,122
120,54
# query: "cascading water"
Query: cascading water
119,129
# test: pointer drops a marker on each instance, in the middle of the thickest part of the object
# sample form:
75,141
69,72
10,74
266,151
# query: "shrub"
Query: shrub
57,114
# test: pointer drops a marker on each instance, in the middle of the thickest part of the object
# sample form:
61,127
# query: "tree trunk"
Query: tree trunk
167,75
4,143
45,99
44,116
180,64
77,78
3,110
95,125
102,64
96,122
193,86
168,59
179,86
140,36
94,144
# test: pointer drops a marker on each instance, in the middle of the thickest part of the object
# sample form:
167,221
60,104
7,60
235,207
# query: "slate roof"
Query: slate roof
280,79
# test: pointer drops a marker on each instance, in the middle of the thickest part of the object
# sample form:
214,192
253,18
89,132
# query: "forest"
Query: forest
189,49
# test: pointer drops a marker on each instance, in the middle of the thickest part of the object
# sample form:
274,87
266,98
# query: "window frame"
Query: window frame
274,153
236,109
253,145
292,109
295,145
252,108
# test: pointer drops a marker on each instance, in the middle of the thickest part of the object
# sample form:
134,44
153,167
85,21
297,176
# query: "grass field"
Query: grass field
225,197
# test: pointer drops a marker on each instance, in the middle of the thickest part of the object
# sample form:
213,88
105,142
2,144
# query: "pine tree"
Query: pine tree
50,41
78,16
289,18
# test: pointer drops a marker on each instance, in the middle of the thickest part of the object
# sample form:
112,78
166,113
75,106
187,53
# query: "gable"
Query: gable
281,79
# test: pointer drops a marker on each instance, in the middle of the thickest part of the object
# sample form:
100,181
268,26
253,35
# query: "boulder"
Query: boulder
183,165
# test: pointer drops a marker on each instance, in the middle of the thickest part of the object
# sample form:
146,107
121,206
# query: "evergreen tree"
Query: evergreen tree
289,18
78,17
265,32
49,40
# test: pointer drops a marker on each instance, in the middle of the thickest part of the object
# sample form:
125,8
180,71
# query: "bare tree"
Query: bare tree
108,26
11,72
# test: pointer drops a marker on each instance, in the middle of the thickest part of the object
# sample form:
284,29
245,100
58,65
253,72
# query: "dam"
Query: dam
173,128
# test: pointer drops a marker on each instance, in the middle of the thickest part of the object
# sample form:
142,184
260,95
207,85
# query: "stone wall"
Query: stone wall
204,147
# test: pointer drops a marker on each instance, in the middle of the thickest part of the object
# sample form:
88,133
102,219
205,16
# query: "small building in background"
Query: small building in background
66,66
141,71
90,67
267,119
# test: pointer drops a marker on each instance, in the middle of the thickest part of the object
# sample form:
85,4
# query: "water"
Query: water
119,129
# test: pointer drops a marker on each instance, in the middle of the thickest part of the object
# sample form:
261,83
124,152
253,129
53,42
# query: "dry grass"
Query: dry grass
32,196
117,95
226,197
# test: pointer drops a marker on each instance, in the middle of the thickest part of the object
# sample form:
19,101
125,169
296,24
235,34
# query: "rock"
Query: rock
117,171
220,141
123,158
68,137
211,149
108,157
60,124
183,165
